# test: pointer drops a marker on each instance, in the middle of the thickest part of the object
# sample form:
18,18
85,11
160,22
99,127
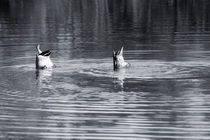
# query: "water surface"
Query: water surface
163,95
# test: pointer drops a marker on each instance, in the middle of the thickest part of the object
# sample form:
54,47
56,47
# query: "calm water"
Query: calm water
165,94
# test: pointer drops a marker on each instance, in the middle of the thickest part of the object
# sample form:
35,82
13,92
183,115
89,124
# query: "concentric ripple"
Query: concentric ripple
151,99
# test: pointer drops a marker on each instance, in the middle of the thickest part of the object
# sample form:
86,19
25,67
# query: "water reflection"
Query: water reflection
110,24
44,75
119,77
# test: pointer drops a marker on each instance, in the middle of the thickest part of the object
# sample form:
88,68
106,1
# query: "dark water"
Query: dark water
163,95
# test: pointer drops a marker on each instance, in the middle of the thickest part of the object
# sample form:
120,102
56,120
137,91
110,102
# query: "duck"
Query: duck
43,60
118,60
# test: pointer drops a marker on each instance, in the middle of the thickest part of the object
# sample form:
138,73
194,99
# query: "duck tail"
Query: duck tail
38,49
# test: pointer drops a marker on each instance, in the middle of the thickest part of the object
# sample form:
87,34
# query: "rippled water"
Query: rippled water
163,95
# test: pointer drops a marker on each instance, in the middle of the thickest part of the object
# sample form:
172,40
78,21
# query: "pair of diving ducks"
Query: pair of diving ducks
43,60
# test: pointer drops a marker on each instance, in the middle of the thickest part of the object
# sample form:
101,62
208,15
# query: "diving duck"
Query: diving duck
43,60
118,60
